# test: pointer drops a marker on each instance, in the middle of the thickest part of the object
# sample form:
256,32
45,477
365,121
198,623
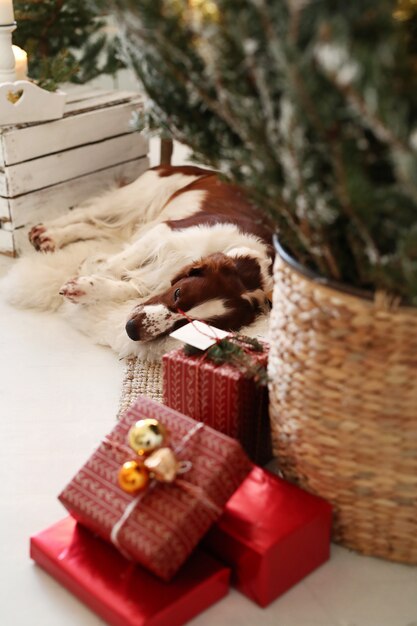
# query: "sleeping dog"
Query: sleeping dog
133,265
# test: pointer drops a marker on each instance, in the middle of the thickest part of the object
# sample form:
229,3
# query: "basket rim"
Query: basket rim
344,289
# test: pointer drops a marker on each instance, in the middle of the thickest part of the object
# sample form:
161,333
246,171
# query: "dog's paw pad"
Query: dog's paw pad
80,289
73,291
46,245
39,238
35,232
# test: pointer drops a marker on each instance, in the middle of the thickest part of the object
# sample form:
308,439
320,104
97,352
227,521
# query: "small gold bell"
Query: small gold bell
147,435
163,465
133,477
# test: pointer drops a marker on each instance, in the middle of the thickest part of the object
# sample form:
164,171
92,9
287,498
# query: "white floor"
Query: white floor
58,396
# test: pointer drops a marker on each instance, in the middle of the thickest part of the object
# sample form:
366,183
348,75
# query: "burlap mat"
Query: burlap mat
140,378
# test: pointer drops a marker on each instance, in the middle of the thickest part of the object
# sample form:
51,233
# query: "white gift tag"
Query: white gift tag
199,335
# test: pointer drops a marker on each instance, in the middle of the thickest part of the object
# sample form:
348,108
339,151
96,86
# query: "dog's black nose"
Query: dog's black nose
132,330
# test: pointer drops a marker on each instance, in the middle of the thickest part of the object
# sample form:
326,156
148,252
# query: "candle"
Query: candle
6,12
21,63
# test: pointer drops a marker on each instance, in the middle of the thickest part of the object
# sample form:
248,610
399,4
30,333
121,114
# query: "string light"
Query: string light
207,8
194,13
405,10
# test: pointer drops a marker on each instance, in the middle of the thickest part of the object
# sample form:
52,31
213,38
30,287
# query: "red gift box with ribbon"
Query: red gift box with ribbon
160,525
223,396
120,592
272,534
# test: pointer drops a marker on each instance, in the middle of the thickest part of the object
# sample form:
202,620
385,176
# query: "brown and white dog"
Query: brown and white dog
127,266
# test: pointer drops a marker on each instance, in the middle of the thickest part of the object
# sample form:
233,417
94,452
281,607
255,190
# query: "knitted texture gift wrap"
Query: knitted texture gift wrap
160,527
221,396
343,407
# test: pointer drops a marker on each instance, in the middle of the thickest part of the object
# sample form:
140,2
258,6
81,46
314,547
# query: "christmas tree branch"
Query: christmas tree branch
382,132
44,34
337,169
180,66
270,132
341,187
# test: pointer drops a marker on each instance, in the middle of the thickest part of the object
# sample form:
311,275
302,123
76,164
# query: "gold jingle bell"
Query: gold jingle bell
163,465
133,477
146,436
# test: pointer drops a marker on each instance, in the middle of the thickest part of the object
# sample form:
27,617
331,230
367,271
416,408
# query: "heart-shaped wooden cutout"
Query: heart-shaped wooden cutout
14,96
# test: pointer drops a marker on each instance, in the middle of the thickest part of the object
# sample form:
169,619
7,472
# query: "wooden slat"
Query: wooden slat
15,243
46,168
21,242
52,169
53,201
82,92
2,147
100,101
5,209
84,99
6,242
21,144
76,93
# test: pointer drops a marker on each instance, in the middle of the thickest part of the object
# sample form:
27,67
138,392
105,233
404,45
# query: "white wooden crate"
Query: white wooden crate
47,168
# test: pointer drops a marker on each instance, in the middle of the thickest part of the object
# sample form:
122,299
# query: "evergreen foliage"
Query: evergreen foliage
64,40
310,105
237,350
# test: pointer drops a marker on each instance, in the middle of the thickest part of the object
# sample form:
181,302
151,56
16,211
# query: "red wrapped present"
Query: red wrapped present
271,534
120,592
160,526
223,396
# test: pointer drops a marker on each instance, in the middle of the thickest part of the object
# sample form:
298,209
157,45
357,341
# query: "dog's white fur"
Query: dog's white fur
120,254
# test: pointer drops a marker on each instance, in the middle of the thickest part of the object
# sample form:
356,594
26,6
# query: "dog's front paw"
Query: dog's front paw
73,290
84,289
40,239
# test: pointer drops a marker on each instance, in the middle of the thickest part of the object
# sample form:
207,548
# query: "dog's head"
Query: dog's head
226,291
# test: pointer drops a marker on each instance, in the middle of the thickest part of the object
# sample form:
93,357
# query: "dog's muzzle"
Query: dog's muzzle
145,324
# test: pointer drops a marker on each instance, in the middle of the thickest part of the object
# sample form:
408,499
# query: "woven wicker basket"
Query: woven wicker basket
343,397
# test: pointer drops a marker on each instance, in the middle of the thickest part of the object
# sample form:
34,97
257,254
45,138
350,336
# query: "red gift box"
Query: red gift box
271,534
121,593
222,397
160,527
